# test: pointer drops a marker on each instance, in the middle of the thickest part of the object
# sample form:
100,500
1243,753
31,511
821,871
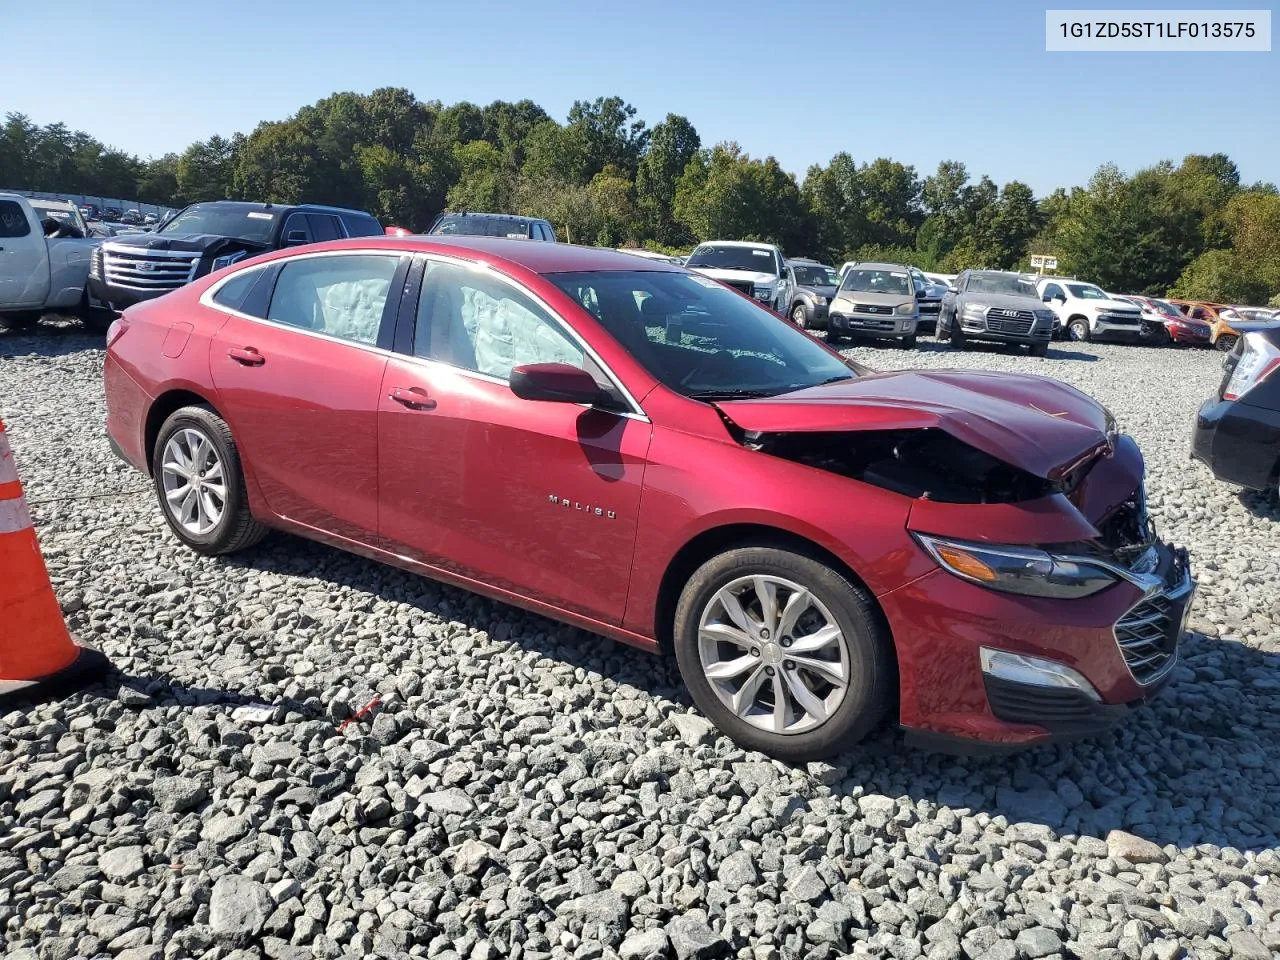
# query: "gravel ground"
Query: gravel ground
524,789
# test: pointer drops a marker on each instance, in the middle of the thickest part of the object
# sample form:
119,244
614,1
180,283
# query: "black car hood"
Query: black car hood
192,242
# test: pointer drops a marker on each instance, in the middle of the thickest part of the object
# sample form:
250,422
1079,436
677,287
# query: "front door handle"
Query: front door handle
247,356
415,398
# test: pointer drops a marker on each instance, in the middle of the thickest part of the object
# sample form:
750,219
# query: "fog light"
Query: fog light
1021,668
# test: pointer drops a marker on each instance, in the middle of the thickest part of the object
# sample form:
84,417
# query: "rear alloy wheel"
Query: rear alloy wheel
196,470
783,653
1226,342
799,317
1078,330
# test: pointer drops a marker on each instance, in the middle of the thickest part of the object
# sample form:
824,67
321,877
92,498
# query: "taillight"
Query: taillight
1257,361
117,329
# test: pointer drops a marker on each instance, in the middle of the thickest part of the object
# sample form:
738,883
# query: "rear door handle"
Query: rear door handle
415,398
247,356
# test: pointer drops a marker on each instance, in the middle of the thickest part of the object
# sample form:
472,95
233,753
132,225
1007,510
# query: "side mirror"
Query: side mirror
1047,298
295,237
555,383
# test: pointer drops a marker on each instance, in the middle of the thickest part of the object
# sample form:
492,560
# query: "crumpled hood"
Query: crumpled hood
1037,424
192,242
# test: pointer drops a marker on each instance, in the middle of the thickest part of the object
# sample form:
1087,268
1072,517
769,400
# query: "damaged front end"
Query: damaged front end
927,464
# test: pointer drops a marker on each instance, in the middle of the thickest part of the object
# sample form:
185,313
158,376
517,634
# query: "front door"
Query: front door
24,259
537,498
300,389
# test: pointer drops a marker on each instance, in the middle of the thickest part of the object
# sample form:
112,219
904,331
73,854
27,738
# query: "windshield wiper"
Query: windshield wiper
729,393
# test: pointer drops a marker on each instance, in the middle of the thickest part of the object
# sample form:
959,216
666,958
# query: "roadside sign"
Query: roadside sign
1044,263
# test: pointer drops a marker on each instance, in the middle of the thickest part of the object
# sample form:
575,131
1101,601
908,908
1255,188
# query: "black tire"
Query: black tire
1039,349
957,335
19,321
1226,342
1078,330
95,319
800,316
908,343
833,338
872,668
237,529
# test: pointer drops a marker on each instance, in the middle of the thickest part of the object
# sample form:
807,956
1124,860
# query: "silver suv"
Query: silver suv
998,307
875,300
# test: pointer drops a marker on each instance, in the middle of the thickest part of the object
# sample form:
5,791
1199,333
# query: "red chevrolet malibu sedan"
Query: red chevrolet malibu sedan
640,451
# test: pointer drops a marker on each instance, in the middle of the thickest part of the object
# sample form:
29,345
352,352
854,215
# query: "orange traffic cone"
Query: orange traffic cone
37,654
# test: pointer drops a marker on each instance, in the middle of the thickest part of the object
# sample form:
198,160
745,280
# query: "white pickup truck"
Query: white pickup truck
44,263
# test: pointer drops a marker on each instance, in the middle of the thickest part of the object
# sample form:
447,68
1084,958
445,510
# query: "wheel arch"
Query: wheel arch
716,540
164,406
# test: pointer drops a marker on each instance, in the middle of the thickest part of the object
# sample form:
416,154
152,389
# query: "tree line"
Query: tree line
603,176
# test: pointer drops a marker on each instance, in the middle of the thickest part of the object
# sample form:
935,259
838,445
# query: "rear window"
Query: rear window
361,225
13,220
470,225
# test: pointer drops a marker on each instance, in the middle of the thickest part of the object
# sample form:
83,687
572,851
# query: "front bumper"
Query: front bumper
119,298
1122,642
978,330
1239,442
873,325
1181,333
1117,331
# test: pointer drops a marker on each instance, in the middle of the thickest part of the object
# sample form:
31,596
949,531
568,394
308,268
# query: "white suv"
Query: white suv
1085,311
757,269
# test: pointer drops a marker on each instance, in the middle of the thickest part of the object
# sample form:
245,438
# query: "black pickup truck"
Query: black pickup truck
209,236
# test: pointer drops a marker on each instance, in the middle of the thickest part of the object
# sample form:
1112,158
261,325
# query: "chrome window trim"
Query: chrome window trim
206,300
565,328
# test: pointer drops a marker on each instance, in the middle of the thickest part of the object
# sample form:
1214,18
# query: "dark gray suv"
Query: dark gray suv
997,307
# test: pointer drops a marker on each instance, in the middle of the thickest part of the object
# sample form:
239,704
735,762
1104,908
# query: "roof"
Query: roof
485,216
534,255
876,265
250,205
736,243
818,263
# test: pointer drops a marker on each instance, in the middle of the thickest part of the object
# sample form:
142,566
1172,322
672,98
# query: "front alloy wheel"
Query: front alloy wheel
782,652
798,316
773,653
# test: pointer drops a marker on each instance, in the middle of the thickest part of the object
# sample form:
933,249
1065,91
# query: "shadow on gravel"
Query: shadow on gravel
1262,504
144,691
54,336
1200,764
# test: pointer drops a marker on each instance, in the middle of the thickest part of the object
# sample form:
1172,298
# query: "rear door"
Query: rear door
24,257
298,370
537,498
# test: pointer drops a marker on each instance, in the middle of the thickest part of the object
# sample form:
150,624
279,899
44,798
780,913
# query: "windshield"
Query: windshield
755,259
1168,309
700,339
1008,284
815,276
466,225
1087,291
860,280
223,221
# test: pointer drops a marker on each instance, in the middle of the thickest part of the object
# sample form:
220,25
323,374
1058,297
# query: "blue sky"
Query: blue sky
918,82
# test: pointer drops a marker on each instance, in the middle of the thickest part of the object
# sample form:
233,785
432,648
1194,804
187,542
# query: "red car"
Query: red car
639,451
1163,322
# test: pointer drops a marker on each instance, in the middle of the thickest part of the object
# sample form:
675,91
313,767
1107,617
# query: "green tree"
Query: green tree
672,144
484,182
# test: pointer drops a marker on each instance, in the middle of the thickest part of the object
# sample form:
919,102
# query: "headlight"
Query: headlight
907,309
763,291
1023,570
820,301
1047,315
977,309
228,259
